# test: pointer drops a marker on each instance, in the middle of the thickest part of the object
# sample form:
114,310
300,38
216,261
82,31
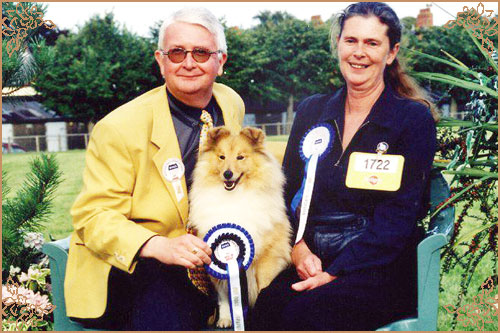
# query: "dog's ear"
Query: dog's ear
213,136
254,135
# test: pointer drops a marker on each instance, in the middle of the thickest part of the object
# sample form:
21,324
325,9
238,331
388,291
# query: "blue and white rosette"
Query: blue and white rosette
314,146
232,248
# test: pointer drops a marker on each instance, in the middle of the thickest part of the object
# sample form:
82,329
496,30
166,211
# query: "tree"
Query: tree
97,69
281,59
23,214
408,23
245,69
154,32
437,41
269,19
24,50
298,58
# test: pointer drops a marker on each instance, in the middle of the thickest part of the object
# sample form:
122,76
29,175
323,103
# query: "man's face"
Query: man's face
189,79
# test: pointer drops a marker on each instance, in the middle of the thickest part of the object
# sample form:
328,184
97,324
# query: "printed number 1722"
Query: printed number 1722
377,164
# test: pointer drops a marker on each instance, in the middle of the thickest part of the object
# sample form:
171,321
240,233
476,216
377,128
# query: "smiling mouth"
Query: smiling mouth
229,185
358,66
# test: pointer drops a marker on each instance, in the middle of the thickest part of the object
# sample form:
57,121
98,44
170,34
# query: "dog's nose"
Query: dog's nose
228,174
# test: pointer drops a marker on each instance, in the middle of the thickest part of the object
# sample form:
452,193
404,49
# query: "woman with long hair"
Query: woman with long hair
354,266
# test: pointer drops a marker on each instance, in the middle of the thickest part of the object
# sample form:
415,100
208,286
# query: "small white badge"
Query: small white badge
173,170
227,250
382,147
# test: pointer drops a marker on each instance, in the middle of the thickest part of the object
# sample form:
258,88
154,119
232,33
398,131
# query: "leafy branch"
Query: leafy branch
29,208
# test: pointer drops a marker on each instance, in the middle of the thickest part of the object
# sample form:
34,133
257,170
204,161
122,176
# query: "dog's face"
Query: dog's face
233,159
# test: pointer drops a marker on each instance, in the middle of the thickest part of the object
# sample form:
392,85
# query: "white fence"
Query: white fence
65,142
80,141
51,143
271,129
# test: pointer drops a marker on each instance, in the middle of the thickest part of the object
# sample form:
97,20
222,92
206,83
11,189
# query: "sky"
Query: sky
139,16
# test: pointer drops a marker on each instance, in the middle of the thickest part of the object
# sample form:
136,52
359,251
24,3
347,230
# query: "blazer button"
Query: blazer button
119,257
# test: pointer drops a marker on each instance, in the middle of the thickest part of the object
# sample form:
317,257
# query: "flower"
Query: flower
23,277
14,270
34,273
7,297
25,296
15,294
33,240
40,302
36,277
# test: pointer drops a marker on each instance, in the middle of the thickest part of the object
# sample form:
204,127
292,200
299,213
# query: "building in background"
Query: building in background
316,20
424,18
29,125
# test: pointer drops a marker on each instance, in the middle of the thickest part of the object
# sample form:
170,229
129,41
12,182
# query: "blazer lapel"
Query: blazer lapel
164,137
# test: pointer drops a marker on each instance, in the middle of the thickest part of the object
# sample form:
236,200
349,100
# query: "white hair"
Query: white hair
200,16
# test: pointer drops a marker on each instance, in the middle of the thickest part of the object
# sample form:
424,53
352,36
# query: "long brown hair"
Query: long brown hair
394,74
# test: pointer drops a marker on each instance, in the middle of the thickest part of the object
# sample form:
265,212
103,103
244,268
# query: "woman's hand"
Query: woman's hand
306,263
313,282
187,250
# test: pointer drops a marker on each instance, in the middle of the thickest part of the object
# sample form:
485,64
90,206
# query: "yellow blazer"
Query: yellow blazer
126,200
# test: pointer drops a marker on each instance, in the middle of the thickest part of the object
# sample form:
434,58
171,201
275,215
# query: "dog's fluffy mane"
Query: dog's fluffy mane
261,190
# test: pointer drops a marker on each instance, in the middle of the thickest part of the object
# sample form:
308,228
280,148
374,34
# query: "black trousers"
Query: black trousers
361,300
155,297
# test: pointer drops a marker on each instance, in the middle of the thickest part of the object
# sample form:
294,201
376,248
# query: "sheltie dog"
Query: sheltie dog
237,180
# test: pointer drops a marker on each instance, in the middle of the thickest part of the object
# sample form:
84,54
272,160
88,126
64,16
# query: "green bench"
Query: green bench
428,257
428,252
57,252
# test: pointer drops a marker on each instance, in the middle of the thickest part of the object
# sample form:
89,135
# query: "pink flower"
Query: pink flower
7,297
13,294
41,303
23,294
23,277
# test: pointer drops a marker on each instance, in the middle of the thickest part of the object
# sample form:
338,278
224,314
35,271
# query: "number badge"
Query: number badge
380,172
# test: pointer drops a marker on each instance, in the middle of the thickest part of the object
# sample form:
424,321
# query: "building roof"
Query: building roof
25,112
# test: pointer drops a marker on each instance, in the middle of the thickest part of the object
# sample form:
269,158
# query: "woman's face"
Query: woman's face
364,51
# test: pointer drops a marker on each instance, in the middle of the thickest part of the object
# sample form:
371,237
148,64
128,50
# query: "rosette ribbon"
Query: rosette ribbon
314,146
232,253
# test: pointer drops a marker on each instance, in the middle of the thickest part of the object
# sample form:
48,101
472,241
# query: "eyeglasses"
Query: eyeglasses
178,54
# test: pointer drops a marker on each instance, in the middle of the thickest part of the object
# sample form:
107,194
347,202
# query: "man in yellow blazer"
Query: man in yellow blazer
129,250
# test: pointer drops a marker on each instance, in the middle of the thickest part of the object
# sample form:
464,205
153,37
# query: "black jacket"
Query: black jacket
409,129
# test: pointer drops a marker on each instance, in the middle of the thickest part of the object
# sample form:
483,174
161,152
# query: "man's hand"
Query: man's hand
187,250
313,282
306,263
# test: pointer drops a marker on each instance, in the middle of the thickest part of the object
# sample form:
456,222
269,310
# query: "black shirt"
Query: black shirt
187,126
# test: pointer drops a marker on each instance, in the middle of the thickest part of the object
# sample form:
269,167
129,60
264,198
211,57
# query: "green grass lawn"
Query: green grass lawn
72,164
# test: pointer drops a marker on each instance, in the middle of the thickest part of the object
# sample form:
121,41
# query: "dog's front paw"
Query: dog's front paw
224,310
224,323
